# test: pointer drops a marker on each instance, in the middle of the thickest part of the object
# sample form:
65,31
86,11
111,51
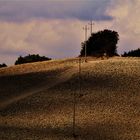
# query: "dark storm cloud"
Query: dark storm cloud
21,10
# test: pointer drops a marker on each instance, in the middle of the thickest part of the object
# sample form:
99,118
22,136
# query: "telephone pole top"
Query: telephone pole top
91,25
85,29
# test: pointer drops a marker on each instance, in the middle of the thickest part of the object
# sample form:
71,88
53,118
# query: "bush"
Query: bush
3,65
31,58
132,53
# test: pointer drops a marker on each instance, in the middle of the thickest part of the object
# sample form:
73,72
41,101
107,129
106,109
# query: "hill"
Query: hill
36,100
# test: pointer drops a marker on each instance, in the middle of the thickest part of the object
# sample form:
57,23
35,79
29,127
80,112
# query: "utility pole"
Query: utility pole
91,24
74,98
74,110
85,29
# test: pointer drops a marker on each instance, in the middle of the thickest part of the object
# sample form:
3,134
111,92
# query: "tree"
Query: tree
31,58
100,43
3,65
132,53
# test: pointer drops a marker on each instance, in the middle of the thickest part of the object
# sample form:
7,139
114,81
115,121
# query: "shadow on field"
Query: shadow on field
121,83
15,85
100,131
52,97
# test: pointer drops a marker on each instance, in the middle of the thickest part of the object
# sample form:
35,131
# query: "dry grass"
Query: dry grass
108,110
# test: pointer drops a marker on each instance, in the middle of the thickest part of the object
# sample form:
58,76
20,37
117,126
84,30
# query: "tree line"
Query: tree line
31,58
98,44
28,59
3,65
104,43
132,53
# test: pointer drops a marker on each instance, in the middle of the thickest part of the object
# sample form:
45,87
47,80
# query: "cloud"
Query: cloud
53,38
20,10
126,21
54,28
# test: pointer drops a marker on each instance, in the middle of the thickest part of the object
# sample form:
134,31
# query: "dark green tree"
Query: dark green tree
132,53
100,43
31,58
3,65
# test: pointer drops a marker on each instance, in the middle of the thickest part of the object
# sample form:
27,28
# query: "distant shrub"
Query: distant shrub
31,58
3,65
132,53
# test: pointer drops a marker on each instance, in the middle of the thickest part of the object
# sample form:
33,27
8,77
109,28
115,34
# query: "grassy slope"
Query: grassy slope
17,80
108,110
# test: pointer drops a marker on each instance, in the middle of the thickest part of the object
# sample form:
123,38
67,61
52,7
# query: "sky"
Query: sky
54,28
